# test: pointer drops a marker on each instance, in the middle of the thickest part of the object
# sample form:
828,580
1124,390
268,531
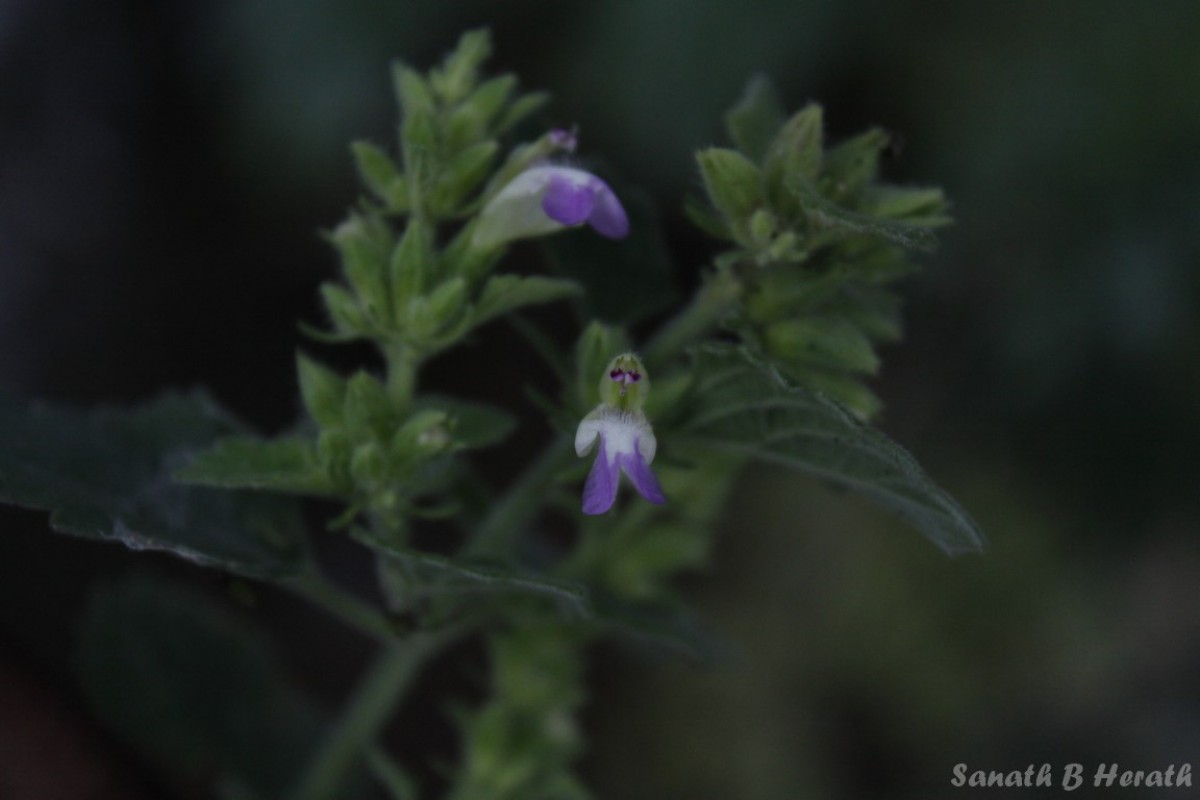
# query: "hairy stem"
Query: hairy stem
394,780
498,531
359,615
369,708
401,373
714,301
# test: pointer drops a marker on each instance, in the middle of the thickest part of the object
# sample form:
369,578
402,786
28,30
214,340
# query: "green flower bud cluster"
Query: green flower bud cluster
400,286
383,457
413,291
449,137
817,241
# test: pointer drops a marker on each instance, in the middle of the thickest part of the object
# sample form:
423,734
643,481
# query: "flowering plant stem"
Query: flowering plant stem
767,361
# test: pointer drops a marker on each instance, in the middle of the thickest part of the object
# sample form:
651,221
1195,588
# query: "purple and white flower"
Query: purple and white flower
548,198
627,445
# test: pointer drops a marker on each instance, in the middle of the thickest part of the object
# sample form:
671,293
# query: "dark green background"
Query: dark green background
164,168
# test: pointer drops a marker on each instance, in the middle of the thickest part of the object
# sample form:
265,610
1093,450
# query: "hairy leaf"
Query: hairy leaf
431,574
504,293
826,214
416,576
758,115
745,406
106,474
288,465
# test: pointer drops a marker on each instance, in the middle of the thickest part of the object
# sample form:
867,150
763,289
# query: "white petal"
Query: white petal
531,182
622,431
647,444
516,210
585,435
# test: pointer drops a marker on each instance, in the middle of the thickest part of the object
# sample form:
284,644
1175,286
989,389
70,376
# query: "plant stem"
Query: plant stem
360,615
496,534
368,710
402,365
715,300
389,775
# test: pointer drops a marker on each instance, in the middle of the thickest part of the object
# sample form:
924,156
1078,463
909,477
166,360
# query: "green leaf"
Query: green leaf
195,692
412,262
364,245
415,576
376,169
744,406
753,122
288,465
852,164
733,182
474,425
460,71
824,214
490,98
368,410
447,302
349,321
827,342
504,293
105,474
838,386
322,390
464,174
519,109
412,91
795,153
916,206
429,574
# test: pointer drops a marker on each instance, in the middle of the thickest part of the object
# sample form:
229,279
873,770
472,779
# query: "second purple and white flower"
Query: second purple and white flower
627,443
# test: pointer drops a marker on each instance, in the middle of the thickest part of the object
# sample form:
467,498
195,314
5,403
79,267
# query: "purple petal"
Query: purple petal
601,488
568,202
643,478
608,218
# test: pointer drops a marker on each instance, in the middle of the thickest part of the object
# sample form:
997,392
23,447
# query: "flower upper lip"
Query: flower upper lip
546,198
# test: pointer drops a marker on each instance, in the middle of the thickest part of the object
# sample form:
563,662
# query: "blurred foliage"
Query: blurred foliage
153,657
